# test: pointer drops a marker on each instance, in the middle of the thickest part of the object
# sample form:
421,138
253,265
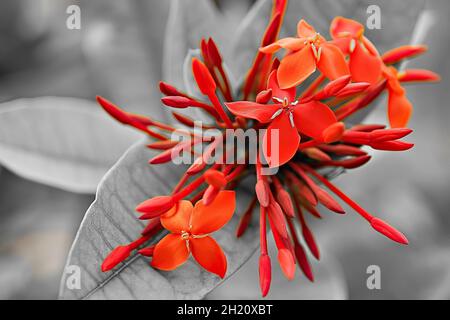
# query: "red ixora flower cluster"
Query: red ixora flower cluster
305,96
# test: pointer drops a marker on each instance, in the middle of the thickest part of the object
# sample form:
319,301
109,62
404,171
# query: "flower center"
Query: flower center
314,40
185,235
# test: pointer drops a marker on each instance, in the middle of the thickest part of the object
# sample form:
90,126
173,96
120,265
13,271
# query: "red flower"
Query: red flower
365,62
190,228
289,117
306,53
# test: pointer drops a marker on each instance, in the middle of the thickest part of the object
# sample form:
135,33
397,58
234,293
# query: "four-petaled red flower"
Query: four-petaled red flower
364,60
289,117
306,53
190,228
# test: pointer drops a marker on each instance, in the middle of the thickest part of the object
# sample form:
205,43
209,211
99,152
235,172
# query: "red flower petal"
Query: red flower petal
293,44
305,30
246,109
170,253
343,44
399,109
209,255
280,141
332,62
313,118
364,66
341,26
177,219
296,67
208,219
277,91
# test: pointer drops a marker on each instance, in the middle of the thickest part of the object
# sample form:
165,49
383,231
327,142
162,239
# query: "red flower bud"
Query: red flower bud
163,157
343,150
350,163
285,201
197,166
114,111
389,231
417,75
367,127
213,53
392,145
183,119
303,261
310,241
265,274
264,96
177,102
262,192
116,256
334,132
171,154
333,87
272,30
403,52
316,154
147,252
155,207
389,134
169,90
328,201
204,80
210,194
276,217
287,263
352,89
163,145
215,178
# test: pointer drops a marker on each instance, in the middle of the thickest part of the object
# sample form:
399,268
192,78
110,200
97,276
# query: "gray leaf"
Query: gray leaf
63,142
111,221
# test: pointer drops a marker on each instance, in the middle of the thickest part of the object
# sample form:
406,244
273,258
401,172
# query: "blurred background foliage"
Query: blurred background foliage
119,53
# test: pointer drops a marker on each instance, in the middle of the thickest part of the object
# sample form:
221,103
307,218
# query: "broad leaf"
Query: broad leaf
111,221
62,142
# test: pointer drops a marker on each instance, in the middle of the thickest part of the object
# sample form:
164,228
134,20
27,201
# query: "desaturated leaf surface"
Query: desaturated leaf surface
62,142
111,221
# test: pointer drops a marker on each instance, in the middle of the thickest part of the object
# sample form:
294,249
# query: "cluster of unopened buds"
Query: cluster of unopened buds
302,101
